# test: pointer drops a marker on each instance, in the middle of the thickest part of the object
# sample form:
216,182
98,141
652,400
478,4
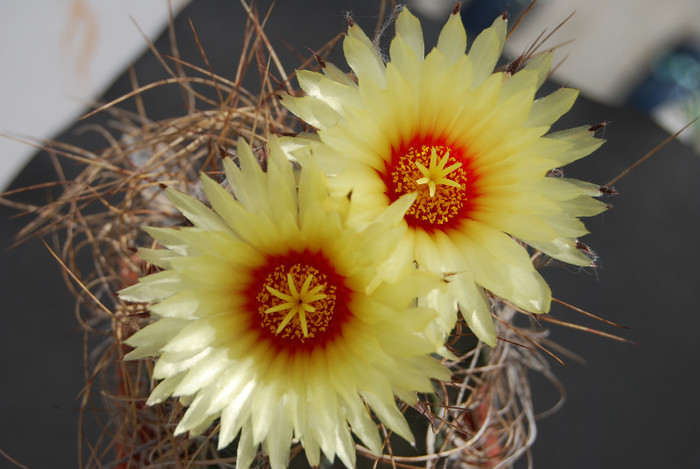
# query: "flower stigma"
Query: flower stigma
437,173
297,302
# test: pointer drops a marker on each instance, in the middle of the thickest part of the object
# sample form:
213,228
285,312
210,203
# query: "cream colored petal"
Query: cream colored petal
409,30
195,418
156,334
263,401
564,250
442,301
230,384
164,389
582,142
312,186
336,95
402,255
218,197
405,60
522,83
515,282
401,293
204,271
426,252
363,57
166,367
453,38
252,229
311,449
279,440
203,426
182,305
322,405
155,287
247,449
509,199
407,385
195,336
419,320
336,74
474,124
402,102
203,374
382,243
525,289
383,107
436,93
393,214
340,373
540,64
151,339
247,179
170,238
473,306
522,226
486,50
499,245
157,257
224,249
345,446
235,415
386,410
583,206
235,216
565,225
362,424
455,102
587,188
452,260
284,211
361,143
511,114
195,211
559,188
547,110
312,111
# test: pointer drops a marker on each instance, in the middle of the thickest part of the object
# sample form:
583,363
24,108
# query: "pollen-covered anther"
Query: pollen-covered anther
437,174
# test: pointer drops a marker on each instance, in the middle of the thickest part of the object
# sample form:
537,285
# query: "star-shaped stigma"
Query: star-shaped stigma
437,173
298,302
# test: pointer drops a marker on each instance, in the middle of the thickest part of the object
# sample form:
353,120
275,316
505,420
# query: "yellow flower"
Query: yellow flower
274,316
473,144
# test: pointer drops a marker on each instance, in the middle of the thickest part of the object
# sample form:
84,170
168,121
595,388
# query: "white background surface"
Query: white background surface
58,55
614,41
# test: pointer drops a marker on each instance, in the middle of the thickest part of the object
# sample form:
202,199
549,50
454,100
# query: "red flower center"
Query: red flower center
441,175
298,300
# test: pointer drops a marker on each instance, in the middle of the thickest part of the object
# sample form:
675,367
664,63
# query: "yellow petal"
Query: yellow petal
547,110
452,41
486,50
332,93
363,57
408,30
474,307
